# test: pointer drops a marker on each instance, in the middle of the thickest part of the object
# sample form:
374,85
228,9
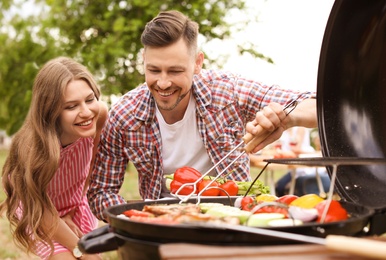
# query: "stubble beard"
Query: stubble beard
170,108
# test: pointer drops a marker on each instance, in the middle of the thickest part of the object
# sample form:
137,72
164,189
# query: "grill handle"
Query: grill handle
98,241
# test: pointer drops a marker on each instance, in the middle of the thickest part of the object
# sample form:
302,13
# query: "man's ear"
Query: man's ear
199,62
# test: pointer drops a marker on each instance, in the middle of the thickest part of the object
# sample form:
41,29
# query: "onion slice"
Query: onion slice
303,214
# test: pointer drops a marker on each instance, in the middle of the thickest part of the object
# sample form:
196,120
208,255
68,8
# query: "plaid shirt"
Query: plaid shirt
225,103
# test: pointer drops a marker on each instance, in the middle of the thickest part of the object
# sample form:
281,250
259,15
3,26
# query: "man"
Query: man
186,116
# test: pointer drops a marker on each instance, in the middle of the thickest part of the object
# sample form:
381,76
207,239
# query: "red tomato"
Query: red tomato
230,187
287,199
208,191
247,203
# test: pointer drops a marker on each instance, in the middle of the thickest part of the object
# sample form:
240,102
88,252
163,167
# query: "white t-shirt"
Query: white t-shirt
182,144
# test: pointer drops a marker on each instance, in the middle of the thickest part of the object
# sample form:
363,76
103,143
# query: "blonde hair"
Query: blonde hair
35,153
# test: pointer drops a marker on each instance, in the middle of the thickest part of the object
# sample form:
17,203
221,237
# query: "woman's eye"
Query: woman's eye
70,107
90,100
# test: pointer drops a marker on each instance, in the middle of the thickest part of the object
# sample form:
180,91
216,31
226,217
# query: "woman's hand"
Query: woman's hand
70,223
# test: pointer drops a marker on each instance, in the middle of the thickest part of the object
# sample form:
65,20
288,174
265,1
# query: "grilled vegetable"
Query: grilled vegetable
230,187
210,189
262,219
187,190
307,201
229,211
257,188
185,175
335,212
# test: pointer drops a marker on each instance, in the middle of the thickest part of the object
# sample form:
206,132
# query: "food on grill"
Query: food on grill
223,187
335,211
230,188
263,219
303,214
287,199
209,188
266,197
250,212
184,175
307,201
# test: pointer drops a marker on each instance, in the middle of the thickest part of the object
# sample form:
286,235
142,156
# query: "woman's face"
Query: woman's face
80,112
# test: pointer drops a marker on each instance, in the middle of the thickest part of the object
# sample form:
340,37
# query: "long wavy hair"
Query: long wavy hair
35,153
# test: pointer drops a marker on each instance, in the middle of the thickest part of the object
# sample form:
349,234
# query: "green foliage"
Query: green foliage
104,35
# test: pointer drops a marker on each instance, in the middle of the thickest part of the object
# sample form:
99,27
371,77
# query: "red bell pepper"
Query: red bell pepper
187,190
185,175
335,212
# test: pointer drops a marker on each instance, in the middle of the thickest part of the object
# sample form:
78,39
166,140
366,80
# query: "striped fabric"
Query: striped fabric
225,103
66,189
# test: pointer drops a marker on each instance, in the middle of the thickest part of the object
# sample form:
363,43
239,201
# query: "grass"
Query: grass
129,190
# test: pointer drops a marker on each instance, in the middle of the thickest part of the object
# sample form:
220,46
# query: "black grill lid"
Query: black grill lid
351,100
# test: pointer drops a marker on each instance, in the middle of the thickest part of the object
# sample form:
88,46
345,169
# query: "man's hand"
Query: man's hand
267,127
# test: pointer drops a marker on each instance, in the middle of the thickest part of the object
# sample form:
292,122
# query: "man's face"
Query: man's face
169,74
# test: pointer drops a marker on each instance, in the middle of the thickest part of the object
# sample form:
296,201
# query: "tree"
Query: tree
104,35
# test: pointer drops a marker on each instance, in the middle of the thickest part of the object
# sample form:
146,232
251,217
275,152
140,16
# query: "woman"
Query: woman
45,174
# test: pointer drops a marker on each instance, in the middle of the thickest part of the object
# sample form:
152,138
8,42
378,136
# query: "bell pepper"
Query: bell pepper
187,190
185,175
307,201
335,212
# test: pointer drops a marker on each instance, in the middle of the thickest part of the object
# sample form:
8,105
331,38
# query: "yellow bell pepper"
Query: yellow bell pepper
266,197
307,201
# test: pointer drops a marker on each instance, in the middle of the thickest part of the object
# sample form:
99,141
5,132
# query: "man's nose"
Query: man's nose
163,82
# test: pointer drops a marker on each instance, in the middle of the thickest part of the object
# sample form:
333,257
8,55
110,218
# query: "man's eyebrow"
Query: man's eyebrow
171,67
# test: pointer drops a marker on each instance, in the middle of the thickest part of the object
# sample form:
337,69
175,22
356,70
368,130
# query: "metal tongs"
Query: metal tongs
250,142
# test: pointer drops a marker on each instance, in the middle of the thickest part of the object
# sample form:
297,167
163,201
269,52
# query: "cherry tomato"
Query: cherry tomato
208,191
230,187
247,203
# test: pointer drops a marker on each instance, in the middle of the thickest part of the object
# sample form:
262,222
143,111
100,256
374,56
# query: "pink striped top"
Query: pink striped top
66,189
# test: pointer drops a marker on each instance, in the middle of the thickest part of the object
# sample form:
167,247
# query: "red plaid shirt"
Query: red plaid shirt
225,103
